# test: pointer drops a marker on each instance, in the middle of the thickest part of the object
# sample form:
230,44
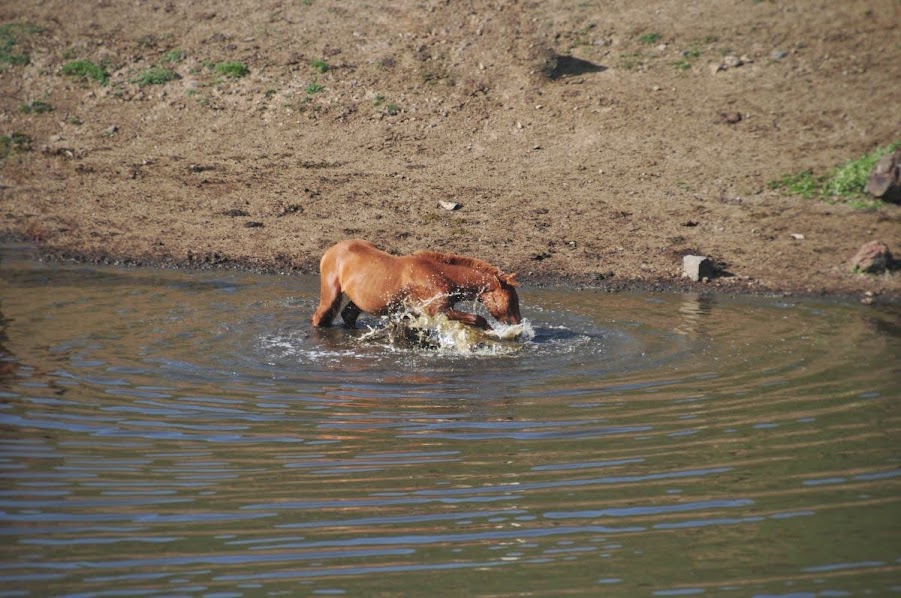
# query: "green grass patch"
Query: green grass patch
850,178
650,38
35,107
801,183
173,56
85,69
232,69
10,34
320,66
314,88
392,109
14,142
378,100
155,76
845,182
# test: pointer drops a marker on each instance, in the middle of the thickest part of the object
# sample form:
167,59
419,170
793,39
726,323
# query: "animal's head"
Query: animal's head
501,300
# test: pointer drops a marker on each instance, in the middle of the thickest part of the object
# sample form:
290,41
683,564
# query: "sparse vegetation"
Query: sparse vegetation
846,181
155,76
630,61
851,177
35,107
378,100
314,87
650,38
173,56
320,66
687,60
392,109
232,69
9,38
85,69
14,142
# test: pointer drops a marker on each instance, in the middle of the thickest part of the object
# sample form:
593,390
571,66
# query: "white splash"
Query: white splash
412,328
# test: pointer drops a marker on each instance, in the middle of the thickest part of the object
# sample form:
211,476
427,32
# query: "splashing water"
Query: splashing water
413,328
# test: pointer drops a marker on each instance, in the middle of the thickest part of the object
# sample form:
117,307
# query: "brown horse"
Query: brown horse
377,283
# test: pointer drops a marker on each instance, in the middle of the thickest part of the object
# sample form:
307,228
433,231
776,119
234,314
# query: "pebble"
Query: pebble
778,54
797,236
450,205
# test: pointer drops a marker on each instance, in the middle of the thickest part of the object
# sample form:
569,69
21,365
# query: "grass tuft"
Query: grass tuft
10,34
85,69
35,107
14,142
320,66
155,76
232,69
174,56
650,38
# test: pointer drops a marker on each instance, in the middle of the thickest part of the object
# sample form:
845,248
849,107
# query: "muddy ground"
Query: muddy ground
591,142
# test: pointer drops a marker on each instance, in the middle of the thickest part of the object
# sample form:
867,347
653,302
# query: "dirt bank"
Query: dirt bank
588,141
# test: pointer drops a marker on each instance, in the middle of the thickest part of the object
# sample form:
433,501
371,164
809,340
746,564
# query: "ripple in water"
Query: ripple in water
190,434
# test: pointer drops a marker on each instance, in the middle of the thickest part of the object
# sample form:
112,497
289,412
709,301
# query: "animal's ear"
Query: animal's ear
509,279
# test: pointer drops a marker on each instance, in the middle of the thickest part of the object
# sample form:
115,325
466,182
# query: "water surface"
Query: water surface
189,433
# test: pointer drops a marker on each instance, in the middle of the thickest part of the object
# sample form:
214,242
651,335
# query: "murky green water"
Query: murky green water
183,433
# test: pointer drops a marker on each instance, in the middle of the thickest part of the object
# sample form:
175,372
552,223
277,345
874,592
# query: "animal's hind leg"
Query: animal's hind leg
329,301
350,313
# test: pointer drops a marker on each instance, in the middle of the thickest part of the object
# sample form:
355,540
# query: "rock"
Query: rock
885,178
778,54
716,67
450,206
110,131
873,257
697,267
730,118
797,236
253,224
732,61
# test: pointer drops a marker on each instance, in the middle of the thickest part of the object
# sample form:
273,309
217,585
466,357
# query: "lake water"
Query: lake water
189,433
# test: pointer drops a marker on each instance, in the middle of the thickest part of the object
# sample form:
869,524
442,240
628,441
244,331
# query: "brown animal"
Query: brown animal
377,283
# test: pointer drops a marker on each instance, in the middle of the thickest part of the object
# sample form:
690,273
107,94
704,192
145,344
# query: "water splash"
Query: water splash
414,329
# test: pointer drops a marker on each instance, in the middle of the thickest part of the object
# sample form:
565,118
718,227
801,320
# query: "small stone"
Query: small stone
111,130
778,54
873,257
253,224
450,206
732,61
730,118
797,236
697,267
662,48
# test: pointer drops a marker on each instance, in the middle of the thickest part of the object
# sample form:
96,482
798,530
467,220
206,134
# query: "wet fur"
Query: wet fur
377,282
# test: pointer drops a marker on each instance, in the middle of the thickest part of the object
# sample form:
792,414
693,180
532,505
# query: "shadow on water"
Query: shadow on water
184,433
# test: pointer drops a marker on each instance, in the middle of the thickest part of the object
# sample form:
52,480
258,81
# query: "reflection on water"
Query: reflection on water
189,434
